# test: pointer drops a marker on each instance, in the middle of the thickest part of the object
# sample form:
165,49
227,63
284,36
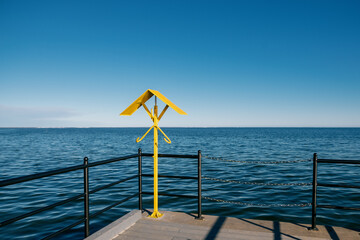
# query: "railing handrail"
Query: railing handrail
34,176
39,210
93,164
341,161
337,185
169,176
170,155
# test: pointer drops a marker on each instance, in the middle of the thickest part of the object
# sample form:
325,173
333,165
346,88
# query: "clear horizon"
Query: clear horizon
234,64
146,127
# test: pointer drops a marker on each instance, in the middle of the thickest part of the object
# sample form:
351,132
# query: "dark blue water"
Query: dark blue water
27,151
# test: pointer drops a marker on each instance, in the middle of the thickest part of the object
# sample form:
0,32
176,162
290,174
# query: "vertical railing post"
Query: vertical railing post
86,197
140,178
199,217
314,192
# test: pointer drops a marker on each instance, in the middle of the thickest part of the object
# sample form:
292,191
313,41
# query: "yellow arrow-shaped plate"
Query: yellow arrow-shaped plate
145,97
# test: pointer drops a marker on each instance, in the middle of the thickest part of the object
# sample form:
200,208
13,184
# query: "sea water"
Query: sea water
29,150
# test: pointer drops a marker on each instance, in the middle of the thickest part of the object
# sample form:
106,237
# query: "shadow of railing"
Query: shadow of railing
215,228
276,229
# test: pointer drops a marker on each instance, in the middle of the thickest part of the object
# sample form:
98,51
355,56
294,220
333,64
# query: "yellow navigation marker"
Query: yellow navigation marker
155,118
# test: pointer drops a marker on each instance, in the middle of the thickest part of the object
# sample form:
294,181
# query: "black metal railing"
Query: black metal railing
85,195
198,178
316,184
87,192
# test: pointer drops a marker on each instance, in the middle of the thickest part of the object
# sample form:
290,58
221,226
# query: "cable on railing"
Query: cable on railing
257,162
257,183
258,204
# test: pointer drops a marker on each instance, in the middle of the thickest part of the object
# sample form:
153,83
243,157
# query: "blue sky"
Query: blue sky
226,63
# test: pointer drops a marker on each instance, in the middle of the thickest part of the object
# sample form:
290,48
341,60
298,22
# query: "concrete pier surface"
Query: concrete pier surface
184,226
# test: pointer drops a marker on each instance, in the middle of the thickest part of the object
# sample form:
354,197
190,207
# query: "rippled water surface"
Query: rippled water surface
27,151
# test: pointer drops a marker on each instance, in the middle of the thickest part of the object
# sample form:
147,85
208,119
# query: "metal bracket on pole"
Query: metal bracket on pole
139,140
166,139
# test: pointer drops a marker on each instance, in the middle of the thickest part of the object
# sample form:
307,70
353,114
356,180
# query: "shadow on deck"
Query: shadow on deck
183,226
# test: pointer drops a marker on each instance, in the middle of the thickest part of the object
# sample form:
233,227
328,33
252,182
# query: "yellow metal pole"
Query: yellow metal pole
156,213
155,117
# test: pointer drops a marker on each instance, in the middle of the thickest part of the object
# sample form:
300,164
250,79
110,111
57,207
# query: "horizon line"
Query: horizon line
191,127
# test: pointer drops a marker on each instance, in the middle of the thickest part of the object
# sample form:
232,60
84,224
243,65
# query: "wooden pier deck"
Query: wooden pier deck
183,226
